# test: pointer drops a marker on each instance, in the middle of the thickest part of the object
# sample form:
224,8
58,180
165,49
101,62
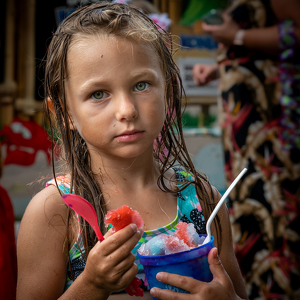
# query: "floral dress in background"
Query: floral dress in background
260,122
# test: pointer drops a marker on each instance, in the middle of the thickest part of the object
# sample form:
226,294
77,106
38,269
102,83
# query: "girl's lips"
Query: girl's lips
130,137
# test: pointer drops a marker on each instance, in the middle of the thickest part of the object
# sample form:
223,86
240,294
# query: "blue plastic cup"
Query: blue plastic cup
192,263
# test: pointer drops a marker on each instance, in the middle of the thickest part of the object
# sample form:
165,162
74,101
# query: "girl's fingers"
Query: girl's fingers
128,276
125,249
219,273
125,264
186,283
108,233
168,295
116,240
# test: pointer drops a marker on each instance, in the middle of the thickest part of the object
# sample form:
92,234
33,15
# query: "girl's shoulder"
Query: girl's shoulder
41,244
45,209
50,191
45,205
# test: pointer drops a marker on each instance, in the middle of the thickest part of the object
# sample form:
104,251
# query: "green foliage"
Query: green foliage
192,121
198,8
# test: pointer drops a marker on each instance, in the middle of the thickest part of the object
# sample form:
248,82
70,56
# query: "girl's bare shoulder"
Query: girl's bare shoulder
41,251
46,205
44,218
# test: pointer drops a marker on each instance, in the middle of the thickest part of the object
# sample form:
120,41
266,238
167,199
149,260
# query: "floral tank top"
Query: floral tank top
188,210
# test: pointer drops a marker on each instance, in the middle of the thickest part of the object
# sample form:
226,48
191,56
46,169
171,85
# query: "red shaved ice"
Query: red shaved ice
123,216
187,233
174,245
181,233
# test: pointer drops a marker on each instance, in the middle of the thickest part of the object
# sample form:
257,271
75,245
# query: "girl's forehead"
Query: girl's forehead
103,59
121,44
103,45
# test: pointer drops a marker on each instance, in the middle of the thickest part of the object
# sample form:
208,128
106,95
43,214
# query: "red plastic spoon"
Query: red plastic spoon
85,209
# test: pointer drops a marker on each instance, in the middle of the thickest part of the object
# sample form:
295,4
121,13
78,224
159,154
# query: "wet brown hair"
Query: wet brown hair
118,20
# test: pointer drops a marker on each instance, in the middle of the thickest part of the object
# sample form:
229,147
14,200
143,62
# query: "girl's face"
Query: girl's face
115,95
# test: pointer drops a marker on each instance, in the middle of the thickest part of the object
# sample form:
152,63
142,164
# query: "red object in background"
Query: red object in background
8,258
24,139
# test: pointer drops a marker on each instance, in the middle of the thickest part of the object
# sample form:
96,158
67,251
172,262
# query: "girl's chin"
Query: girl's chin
122,151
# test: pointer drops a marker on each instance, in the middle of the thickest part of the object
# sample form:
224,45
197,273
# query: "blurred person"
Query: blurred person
258,67
8,260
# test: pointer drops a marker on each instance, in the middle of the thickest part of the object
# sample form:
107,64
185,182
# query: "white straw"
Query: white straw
213,214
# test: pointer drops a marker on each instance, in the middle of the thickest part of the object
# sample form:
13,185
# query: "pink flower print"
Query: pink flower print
199,207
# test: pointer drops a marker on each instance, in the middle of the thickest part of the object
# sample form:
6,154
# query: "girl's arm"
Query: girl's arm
42,255
261,39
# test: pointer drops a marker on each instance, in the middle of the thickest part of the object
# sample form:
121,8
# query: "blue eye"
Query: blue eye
141,86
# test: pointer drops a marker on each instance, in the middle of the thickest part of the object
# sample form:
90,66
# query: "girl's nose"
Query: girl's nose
125,108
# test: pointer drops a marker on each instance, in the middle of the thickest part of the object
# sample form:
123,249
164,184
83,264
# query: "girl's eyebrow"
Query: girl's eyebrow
144,72
95,82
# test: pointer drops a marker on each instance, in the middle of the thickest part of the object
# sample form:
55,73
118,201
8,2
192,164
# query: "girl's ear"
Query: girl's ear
51,108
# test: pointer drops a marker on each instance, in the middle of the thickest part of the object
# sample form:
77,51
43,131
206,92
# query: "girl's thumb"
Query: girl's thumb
219,273
215,265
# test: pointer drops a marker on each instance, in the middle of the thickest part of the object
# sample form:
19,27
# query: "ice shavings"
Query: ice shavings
187,233
185,238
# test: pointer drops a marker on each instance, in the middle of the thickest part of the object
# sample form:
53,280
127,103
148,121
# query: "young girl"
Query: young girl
115,94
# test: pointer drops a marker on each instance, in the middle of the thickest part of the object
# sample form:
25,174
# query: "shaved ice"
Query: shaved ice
185,238
155,246
187,233
174,245
123,216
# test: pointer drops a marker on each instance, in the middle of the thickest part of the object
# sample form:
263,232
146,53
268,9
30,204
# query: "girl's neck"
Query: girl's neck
126,174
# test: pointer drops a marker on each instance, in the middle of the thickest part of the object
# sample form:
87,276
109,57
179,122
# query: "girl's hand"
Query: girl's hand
110,265
203,74
223,33
219,288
